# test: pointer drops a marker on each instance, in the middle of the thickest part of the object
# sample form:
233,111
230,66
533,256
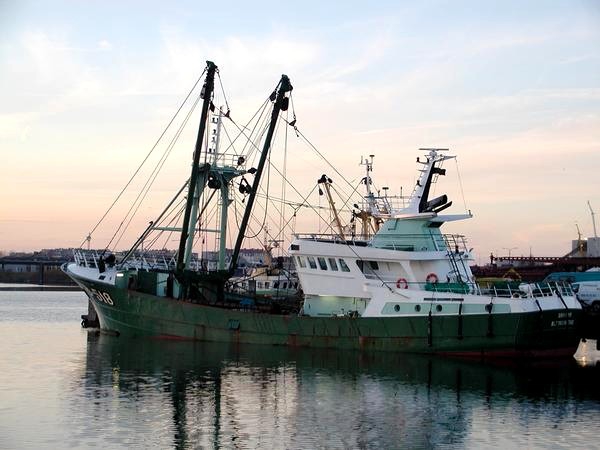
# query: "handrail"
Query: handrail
525,290
90,258
402,241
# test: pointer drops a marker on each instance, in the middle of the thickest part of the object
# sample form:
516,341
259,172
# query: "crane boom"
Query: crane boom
593,218
325,181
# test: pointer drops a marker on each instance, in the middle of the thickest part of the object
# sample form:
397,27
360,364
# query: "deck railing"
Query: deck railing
523,290
405,242
91,259
329,237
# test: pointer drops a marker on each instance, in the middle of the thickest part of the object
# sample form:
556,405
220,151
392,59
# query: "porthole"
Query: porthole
438,308
417,308
397,308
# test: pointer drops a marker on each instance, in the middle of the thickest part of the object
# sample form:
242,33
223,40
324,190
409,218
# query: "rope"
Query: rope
460,184
146,188
160,232
146,158
269,165
223,91
300,134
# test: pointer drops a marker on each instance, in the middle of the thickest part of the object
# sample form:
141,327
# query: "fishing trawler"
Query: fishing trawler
405,288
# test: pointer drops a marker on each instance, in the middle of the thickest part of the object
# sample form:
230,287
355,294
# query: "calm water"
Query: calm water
62,387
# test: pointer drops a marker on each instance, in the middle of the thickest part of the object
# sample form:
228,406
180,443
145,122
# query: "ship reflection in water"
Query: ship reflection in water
190,394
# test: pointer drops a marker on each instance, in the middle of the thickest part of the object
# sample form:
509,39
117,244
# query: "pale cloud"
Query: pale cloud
104,45
16,125
371,49
244,57
526,100
51,76
580,58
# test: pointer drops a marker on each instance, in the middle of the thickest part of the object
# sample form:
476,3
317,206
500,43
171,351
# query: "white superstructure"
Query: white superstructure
408,267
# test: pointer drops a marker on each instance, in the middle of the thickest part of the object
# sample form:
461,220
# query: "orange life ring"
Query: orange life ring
402,283
432,278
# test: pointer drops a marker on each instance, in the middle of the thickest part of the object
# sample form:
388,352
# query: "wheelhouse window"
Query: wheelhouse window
311,262
367,266
332,264
322,263
361,265
301,262
344,266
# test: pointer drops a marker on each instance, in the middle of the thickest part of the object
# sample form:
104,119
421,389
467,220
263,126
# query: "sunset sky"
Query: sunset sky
512,88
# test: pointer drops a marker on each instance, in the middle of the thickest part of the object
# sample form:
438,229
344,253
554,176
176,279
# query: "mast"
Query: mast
186,234
281,103
370,216
419,201
369,166
224,194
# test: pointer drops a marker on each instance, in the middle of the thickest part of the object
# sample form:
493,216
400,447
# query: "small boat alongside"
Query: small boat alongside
403,287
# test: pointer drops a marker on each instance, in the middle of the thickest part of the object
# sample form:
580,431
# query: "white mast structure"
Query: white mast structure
593,218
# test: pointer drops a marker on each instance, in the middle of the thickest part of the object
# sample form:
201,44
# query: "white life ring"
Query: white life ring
402,283
432,278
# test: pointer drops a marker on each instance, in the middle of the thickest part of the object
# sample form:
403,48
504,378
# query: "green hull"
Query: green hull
132,313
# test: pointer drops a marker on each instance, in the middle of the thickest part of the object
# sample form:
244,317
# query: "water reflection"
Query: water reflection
191,394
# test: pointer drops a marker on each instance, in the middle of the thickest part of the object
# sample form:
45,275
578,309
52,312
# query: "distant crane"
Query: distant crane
593,218
579,241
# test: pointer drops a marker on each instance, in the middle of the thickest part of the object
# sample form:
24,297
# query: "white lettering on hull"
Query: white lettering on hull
102,297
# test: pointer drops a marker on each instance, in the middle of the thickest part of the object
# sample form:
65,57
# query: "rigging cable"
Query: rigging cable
146,188
173,219
223,91
146,158
261,109
321,155
160,232
460,183
269,165
300,135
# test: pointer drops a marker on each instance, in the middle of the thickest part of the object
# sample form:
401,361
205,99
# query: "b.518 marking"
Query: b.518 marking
102,297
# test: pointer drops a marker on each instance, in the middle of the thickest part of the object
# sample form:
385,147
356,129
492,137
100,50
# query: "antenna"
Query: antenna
593,218
510,249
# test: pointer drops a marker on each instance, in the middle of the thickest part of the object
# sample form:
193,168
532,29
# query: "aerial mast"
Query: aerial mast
367,180
367,216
